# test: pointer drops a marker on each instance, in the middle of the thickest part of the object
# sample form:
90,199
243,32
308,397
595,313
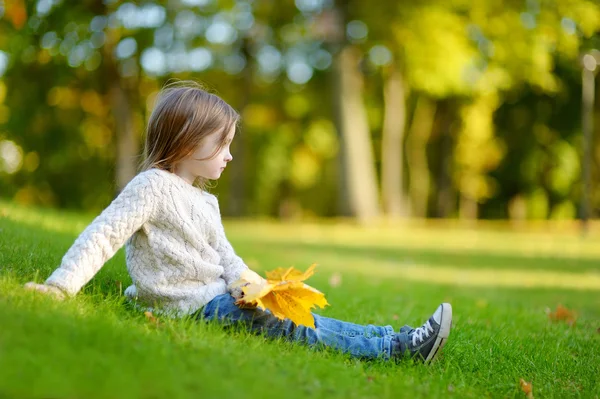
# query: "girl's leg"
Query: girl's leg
360,341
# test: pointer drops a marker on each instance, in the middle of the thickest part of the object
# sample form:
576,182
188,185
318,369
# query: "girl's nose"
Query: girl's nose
228,157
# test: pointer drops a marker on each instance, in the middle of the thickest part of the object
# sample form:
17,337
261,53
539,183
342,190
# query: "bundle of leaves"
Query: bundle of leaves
283,293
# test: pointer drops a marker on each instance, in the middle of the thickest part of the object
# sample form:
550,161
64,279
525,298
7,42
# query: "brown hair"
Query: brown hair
183,116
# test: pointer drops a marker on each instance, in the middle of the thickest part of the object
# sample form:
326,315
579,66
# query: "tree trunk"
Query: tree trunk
119,93
237,197
127,140
359,166
446,194
468,208
392,153
417,140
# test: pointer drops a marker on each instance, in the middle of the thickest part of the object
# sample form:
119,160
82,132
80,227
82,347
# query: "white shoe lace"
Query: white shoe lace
421,333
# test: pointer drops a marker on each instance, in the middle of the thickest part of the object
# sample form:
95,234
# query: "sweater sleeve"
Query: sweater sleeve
105,235
232,264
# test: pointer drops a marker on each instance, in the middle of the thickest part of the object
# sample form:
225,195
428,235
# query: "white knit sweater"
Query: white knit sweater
177,254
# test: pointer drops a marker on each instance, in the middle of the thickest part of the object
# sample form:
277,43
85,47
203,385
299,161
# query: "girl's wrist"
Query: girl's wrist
56,290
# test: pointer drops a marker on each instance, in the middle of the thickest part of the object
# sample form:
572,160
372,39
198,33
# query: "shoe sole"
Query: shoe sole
442,337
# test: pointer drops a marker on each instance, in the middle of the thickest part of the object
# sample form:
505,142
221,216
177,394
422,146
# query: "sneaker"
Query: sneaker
426,341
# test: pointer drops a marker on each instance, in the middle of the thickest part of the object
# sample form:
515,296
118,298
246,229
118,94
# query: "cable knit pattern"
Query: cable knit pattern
177,253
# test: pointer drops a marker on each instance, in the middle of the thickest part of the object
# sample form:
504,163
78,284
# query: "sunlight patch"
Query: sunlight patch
510,278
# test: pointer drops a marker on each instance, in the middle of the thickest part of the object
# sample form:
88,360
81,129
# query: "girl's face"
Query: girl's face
198,165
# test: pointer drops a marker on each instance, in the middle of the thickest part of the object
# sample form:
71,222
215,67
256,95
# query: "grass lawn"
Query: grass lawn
502,282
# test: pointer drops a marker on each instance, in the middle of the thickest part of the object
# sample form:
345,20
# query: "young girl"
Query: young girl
178,256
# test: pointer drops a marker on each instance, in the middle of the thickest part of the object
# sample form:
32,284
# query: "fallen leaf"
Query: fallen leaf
335,280
563,314
526,387
283,293
395,317
151,318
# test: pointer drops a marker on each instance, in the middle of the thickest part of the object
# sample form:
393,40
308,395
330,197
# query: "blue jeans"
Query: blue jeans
367,342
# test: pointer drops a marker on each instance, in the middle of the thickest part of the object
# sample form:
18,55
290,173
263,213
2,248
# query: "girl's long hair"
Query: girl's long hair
183,116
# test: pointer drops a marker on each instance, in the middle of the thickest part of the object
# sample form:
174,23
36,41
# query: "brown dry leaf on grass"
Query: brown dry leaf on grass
283,293
563,314
526,387
152,319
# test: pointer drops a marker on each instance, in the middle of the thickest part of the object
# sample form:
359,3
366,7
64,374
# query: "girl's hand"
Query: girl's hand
247,278
54,292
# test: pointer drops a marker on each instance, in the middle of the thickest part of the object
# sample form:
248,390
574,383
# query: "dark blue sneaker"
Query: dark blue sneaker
426,341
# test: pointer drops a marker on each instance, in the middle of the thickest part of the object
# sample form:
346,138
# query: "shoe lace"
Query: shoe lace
421,333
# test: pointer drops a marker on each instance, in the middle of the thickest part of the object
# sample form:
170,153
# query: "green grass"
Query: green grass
501,282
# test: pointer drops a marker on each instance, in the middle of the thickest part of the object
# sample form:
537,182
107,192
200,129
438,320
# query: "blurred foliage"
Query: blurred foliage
504,78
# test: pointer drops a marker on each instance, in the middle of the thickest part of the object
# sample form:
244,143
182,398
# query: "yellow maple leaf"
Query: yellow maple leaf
294,309
290,274
269,302
307,296
283,293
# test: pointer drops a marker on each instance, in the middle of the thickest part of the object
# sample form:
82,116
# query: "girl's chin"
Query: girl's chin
211,177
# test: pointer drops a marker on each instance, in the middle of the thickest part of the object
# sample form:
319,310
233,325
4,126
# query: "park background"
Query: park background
419,151
420,109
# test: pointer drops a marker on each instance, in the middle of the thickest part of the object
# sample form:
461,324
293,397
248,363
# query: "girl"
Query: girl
177,254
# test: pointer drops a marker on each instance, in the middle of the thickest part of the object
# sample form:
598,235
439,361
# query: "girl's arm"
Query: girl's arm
232,264
105,235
